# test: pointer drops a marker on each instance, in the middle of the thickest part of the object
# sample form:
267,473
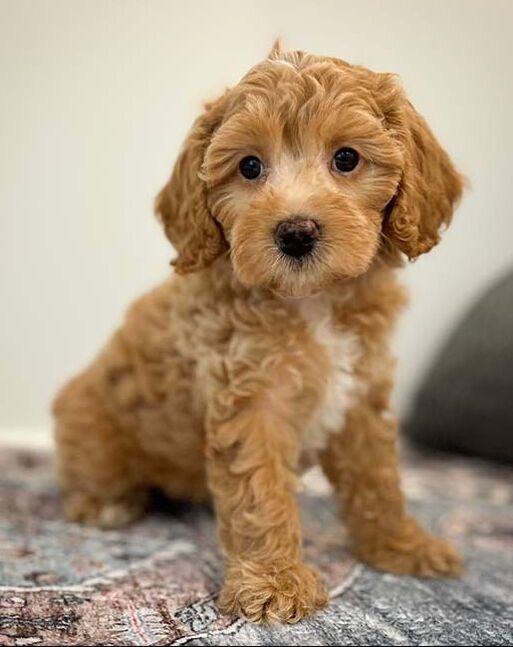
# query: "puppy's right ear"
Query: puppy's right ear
182,207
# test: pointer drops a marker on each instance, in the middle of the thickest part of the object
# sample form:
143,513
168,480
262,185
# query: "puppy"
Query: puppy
297,195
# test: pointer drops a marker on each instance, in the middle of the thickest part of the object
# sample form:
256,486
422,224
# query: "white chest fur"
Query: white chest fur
342,348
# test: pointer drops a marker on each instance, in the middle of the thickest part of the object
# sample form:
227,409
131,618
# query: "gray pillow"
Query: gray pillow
466,401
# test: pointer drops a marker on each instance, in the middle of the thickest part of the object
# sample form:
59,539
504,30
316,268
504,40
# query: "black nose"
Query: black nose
296,237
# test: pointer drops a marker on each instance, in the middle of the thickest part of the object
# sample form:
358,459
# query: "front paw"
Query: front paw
412,551
270,593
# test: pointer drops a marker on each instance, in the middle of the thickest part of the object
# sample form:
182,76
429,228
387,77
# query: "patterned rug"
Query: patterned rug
156,582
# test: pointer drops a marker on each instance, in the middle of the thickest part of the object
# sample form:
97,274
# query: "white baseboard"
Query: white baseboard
27,437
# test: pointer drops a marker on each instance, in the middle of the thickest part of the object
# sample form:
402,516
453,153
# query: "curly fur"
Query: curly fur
245,367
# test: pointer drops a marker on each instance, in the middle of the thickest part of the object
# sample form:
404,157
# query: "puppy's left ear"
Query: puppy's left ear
182,207
429,187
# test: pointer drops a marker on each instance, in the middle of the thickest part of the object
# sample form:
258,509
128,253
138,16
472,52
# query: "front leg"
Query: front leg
362,463
250,467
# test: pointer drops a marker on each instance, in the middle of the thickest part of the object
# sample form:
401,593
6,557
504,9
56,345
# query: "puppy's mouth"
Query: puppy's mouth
299,271
290,260
303,265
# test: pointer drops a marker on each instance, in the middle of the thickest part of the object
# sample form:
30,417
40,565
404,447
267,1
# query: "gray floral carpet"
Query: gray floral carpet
156,582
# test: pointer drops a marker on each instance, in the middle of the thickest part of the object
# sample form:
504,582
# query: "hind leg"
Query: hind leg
95,463
91,510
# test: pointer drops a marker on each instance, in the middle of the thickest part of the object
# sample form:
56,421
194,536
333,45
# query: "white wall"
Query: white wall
96,97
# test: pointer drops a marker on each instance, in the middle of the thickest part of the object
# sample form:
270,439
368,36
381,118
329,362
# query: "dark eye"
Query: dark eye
345,160
251,167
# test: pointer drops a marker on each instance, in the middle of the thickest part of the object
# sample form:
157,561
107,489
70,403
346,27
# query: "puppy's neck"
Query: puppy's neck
219,284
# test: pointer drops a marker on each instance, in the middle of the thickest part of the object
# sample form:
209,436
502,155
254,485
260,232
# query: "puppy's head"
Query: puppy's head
306,171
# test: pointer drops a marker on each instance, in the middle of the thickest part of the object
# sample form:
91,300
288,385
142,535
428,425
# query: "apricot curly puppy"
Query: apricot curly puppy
296,197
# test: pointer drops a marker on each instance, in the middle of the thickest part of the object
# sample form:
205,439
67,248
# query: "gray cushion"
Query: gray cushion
466,401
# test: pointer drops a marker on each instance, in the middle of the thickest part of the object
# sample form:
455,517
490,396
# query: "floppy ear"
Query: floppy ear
182,207
429,187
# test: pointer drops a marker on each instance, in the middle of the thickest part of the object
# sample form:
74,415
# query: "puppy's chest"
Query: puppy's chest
340,349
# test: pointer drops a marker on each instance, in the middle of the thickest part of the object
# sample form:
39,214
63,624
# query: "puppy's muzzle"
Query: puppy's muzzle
297,236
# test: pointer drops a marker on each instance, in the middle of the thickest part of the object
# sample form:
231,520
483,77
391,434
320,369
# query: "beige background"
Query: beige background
96,97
